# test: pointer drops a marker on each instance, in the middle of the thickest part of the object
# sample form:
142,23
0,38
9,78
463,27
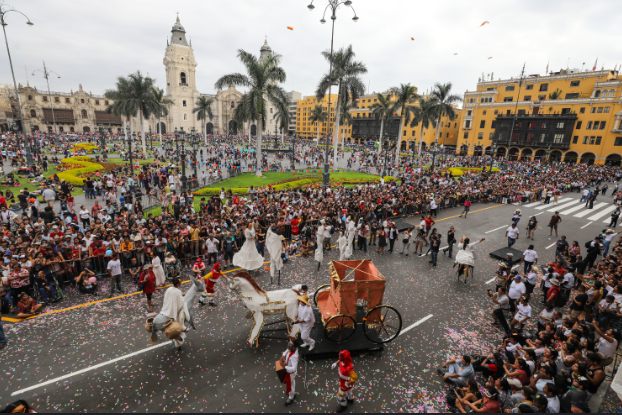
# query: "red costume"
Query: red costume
347,378
209,281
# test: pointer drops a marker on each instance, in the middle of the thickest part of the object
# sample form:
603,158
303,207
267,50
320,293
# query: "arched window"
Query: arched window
83,112
182,78
185,117
29,97
597,94
33,113
82,100
611,92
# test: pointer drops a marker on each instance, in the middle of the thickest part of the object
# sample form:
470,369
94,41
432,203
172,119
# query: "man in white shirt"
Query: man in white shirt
512,234
114,269
516,291
530,257
289,360
306,320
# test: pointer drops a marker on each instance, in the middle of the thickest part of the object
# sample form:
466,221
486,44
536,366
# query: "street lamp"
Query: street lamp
333,5
196,143
181,151
127,139
493,152
435,150
46,74
150,140
102,139
548,154
4,9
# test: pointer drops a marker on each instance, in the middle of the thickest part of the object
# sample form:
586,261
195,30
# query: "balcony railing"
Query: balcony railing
183,84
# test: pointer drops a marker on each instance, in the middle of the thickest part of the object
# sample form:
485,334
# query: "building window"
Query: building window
182,78
83,112
469,113
521,112
105,102
565,110
585,139
82,101
493,124
532,126
519,124
543,125
484,112
45,99
579,125
184,103
508,99
582,110
466,134
67,101
71,129
598,140
480,136
544,87
560,125
542,138
597,94
541,97
528,87
56,99
491,136
96,102
527,98
575,139
29,97
482,124
61,129
618,142
589,125
595,127
600,110
33,113
529,138
606,110
592,140
496,112
602,125
572,95
186,117
593,110
509,88
467,124
558,139
575,83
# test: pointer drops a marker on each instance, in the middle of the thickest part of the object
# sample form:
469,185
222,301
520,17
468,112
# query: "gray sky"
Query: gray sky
93,42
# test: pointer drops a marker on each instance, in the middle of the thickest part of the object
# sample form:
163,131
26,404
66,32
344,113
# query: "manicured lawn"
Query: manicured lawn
26,185
120,161
249,179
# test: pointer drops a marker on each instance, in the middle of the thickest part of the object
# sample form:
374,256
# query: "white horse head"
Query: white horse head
247,285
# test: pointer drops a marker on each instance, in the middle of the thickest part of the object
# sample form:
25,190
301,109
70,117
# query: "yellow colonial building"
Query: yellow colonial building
365,127
566,116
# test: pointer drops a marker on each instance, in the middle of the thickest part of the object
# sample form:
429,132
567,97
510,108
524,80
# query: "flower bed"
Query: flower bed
459,171
79,166
88,147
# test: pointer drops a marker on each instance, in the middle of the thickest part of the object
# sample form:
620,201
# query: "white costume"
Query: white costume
291,366
320,236
158,271
351,234
248,257
305,313
343,247
174,307
465,254
274,243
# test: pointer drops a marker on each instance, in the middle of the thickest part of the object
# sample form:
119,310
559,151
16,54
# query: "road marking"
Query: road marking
566,199
88,369
540,202
556,208
412,326
574,209
588,211
489,281
585,226
538,214
497,228
602,213
550,245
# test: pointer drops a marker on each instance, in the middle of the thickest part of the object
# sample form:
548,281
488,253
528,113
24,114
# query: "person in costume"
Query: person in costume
174,307
351,234
289,359
306,320
210,280
343,246
347,378
465,258
248,257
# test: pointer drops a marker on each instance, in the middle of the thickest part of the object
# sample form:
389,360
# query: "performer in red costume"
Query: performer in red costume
347,378
289,359
210,280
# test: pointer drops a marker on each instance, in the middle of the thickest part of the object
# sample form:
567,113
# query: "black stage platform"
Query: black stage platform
501,254
402,226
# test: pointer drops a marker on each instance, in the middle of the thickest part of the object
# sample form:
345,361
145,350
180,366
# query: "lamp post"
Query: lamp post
333,5
493,152
181,151
46,74
435,149
127,139
548,154
196,143
388,148
4,9
102,139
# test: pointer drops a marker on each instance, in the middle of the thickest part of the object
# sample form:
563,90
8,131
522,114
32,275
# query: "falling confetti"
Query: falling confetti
412,38
484,23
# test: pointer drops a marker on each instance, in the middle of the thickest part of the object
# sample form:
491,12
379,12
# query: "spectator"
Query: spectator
115,271
212,249
148,280
457,373
47,291
516,291
554,222
502,305
523,313
490,403
512,233
27,306
530,257
577,305
86,282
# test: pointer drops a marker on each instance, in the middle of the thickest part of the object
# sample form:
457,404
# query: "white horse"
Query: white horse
258,302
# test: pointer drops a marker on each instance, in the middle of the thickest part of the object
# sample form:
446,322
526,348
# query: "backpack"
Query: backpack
588,244
562,298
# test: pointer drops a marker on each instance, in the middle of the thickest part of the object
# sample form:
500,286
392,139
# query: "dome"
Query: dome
177,27
266,47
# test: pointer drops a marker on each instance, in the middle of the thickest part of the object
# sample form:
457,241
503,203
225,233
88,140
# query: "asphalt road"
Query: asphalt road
217,371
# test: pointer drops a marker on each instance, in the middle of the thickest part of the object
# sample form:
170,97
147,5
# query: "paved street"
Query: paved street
217,371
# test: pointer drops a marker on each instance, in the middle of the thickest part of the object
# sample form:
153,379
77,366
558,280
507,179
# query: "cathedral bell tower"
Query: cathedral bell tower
180,80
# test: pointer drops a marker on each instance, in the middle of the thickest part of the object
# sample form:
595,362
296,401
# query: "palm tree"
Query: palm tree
345,118
261,79
555,94
405,96
318,115
203,109
282,119
120,108
443,104
384,110
424,115
135,94
345,73
161,108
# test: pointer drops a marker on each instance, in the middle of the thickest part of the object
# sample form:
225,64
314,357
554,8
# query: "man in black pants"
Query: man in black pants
592,252
392,237
502,302
451,240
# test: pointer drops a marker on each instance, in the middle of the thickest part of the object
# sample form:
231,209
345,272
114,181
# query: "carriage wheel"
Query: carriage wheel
382,324
320,289
339,328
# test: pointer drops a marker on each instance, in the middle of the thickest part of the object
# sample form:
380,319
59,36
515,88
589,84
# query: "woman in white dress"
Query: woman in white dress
342,241
351,234
464,257
248,257
158,271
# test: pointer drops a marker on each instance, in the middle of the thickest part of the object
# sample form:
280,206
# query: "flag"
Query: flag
594,68
547,68
412,38
484,23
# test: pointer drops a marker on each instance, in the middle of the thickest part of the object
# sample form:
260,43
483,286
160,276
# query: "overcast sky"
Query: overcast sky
93,42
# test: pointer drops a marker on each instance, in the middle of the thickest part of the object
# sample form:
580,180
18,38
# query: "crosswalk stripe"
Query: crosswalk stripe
588,211
602,213
557,208
562,199
532,204
574,209
549,205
